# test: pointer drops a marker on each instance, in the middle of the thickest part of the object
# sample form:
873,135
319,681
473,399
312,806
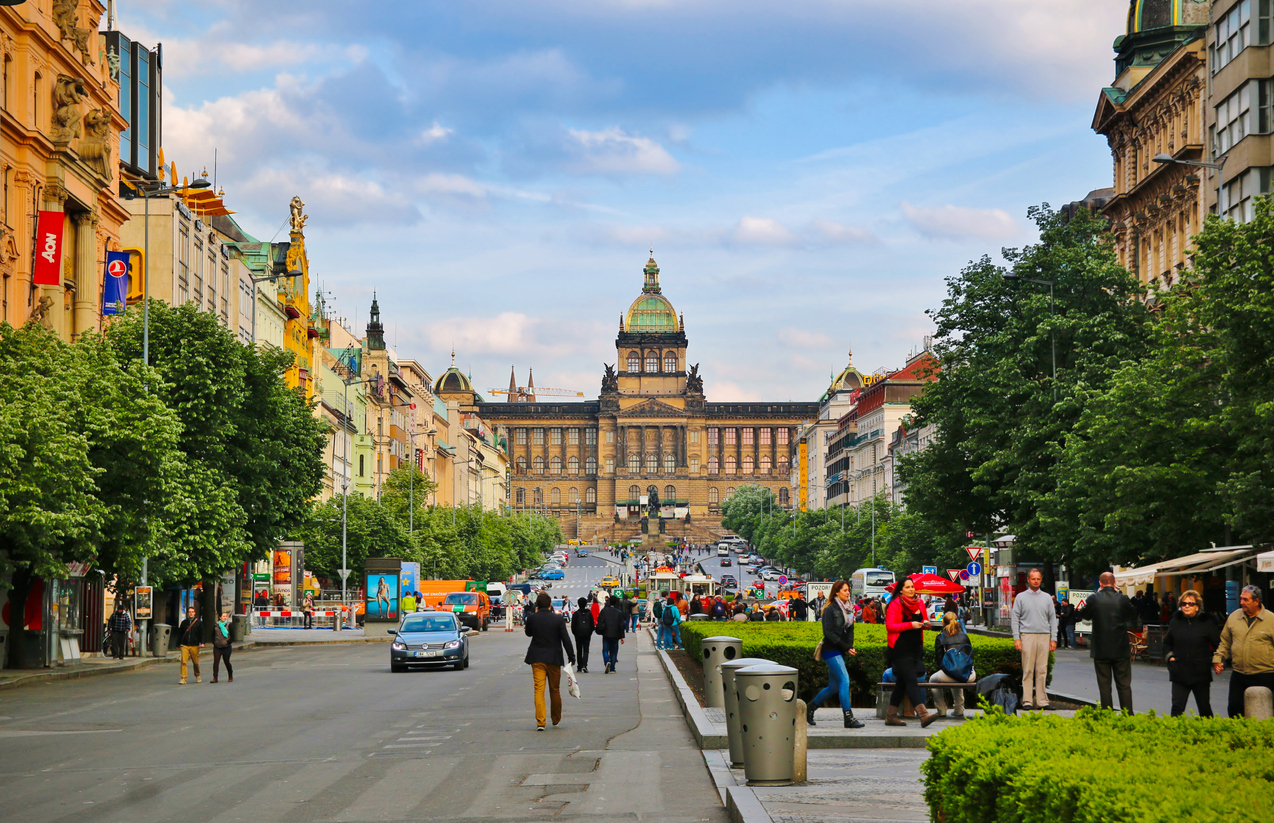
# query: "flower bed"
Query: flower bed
792,644
1098,767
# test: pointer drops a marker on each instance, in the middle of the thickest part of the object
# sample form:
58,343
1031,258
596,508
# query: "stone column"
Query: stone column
88,282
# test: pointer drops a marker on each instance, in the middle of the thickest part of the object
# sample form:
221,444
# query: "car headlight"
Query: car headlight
454,644
402,647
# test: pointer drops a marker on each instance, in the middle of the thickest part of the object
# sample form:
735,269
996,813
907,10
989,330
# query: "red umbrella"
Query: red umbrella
931,584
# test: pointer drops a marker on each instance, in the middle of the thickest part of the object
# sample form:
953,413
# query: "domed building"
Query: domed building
650,454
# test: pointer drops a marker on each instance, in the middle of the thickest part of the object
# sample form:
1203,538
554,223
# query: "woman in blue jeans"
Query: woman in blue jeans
838,641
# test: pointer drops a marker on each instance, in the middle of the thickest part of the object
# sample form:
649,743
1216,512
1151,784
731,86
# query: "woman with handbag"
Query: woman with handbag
905,619
951,638
838,641
221,647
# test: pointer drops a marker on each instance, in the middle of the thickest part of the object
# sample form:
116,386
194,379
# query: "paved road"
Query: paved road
328,734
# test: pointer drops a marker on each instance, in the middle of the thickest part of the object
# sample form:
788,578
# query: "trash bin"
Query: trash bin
698,617
238,628
733,733
767,718
159,634
337,620
717,650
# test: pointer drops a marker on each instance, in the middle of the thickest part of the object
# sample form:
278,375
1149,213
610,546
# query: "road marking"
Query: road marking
26,733
410,746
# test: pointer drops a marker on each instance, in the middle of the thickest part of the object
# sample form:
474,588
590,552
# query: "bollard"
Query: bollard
800,753
1258,703
717,650
338,620
733,733
767,718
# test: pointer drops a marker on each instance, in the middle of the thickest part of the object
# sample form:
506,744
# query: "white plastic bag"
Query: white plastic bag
572,682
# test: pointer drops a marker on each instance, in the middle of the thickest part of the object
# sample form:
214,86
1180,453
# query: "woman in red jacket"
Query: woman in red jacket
905,620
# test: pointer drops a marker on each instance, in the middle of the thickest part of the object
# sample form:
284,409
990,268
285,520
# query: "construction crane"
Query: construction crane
523,391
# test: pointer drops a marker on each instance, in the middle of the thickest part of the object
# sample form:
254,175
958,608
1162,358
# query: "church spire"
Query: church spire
512,396
530,385
651,286
375,331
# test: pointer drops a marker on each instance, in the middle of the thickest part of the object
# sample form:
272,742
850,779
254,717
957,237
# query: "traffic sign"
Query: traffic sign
954,574
782,579
973,551
964,575
929,569
974,568
344,573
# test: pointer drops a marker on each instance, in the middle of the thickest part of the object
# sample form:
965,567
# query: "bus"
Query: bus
870,583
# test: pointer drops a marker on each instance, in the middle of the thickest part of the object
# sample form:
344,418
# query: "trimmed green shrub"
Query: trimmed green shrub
1100,767
792,644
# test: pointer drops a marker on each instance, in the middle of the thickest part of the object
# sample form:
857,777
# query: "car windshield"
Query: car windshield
879,578
432,623
460,599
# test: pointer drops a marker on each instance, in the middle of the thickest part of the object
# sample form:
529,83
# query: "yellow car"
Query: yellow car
609,582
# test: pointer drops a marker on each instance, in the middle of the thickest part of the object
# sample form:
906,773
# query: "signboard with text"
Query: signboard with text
48,249
142,602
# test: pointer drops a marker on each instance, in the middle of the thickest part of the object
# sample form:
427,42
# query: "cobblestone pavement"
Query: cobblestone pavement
852,786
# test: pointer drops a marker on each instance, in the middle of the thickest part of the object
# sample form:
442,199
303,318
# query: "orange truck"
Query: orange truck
465,598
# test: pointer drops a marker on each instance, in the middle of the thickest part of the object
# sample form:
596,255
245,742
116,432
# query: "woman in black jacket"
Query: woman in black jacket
1192,637
838,641
547,630
582,625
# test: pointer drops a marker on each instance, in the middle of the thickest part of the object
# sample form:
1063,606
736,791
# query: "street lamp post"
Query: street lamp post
1052,310
1219,167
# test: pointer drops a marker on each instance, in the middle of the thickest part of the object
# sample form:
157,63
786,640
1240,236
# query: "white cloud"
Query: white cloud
433,134
833,232
959,222
804,339
724,392
452,185
763,230
614,151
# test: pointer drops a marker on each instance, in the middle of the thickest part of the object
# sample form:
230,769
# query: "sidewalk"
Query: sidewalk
1073,677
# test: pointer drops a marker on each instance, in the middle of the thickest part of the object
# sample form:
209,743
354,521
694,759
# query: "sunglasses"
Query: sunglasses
1189,603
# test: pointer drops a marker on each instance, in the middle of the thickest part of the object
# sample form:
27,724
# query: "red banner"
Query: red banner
48,249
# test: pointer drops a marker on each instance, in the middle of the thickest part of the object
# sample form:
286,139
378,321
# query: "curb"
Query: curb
1071,698
702,729
743,807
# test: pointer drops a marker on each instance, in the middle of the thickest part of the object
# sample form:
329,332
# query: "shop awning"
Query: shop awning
1265,562
1188,566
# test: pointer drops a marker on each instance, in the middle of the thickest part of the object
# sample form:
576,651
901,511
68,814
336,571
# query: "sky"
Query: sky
808,173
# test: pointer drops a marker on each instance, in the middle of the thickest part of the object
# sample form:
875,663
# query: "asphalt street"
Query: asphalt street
327,733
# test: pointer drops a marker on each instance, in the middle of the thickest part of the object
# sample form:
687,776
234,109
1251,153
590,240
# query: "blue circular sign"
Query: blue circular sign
782,579
974,568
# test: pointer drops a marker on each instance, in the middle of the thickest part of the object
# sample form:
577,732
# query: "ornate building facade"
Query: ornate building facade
651,439
1156,106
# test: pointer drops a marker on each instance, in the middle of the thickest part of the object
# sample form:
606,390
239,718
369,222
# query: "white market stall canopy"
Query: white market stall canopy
1265,562
1188,566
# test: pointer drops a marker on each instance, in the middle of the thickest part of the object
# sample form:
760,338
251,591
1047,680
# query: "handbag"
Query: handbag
818,651
572,682
219,640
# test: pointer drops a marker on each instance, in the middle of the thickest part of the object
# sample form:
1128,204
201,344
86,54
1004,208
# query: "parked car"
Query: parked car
554,574
429,639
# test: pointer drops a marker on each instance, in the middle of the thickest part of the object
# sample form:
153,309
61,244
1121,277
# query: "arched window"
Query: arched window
539,498
590,465
539,465
670,463
730,465
670,494
783,496
765,464
521,465
574,495
714,496
729,492
572,465
634,463
590,495
634,494
520,496
555,466
747,464
652,463
634,361
713,466
555,497
652,361
670,361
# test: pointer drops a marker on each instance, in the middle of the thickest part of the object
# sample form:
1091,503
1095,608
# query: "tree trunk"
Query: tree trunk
209,603
22,582
1050,579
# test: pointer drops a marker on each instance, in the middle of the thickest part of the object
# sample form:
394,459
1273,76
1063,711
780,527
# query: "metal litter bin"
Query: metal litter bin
717,650
733,731
767,717
159,634
338,620
239,627
698,617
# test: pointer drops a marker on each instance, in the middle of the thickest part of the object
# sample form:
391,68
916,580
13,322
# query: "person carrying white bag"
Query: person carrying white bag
549,637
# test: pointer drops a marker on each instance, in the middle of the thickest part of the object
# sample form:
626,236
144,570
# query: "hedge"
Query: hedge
1099,767
792,644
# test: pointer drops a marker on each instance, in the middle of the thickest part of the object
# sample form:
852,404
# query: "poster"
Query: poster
48,249
1077,598
410,577
142,602
282,568
382,596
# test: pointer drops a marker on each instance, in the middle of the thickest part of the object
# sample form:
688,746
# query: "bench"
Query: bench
883,690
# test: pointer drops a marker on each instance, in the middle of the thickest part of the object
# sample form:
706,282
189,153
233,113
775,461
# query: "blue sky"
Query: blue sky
807,172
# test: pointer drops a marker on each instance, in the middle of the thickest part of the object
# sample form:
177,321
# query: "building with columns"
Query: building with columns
651,435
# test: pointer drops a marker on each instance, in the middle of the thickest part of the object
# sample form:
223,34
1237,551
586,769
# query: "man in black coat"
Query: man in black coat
582,626
611,625
1113,616
547,630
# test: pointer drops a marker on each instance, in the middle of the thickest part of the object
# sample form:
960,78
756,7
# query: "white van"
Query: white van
870,583
723,551
496,592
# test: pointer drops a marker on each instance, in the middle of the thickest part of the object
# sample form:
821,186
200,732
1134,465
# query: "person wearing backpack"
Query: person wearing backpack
838,641
954,655
668,623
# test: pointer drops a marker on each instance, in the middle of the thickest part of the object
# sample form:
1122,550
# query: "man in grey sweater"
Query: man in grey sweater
1034,626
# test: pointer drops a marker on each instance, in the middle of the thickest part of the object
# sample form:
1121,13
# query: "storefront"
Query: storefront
1218,574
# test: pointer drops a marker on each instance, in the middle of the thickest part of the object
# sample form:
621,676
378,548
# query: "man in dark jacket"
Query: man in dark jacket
800,609
611,625
547,630
1113,616
119,625
190,633
582,626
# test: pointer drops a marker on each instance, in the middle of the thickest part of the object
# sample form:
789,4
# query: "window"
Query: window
590,437
610,437
555,467
714,496
652,463
537,437
712,465
784,499
694,464
556,497
572,465
199,269
590,465
520,496
574,495
781,436
765,437
670,494
765,464
539,498
361,465
747,464
610,465
694,436
539,465
730,464
729,492
1234,33
183,258
590,495
519,436
747,437
1234,119
35,101
572,437
634,463
730,436
634,362
634,494
555,437
670,361
521,465
7,68
670,463
652,361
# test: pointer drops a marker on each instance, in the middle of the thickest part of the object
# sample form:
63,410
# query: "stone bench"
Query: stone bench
883,691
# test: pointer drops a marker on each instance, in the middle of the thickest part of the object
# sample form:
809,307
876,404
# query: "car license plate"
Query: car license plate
428,654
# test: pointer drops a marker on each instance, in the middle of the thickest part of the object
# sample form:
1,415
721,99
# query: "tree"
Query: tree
372,530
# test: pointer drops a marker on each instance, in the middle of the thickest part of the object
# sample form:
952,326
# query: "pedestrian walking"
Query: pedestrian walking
307,606
669,626
611,625
1193,635
800,609
221,648
1066,624
582,626
905,619
1034,621
547,630
634,614
408,603
1248,642
190,634
869,612
951,638
819,603
120,625
838,641
1113,616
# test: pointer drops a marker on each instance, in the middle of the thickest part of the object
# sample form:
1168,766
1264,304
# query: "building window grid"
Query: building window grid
537,437
590,496
572,466
610,465
712,465
713,436
670,362
634,362
730,436
694,464
1233,33
747,437
765,437
198,270
590,466
556,466
670,463
781,437
555,436
519,437
572,437
590,437
652,361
